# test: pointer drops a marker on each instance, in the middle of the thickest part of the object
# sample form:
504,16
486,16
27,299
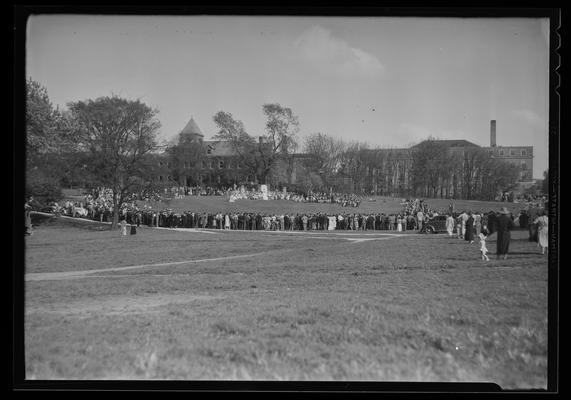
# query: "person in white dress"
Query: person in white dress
450,225
542,223
483,249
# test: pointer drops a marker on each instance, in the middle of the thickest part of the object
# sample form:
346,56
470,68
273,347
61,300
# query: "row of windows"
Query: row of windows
512,152
220,164
204,178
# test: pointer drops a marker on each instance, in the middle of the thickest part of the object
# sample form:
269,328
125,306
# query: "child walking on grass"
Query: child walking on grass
483,249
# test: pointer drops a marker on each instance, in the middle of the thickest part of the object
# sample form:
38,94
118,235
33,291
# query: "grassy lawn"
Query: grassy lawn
289,307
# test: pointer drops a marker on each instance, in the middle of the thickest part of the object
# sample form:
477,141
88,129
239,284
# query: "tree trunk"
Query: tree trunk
115,222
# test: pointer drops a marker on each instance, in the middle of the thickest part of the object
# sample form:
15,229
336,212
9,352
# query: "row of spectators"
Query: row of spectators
259,221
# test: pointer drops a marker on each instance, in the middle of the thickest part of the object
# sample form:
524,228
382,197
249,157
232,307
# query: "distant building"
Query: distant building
217,163
389,172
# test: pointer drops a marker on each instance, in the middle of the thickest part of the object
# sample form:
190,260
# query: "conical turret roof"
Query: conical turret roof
192,128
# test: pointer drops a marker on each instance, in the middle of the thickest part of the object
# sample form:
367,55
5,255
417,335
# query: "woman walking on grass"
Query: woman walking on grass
541,222
503,224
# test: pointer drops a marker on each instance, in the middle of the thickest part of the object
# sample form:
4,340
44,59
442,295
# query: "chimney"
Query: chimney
493,133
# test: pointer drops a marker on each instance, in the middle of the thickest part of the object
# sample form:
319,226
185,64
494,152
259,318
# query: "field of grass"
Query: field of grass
320,306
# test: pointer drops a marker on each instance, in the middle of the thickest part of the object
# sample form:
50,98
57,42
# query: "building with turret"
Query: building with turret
388,171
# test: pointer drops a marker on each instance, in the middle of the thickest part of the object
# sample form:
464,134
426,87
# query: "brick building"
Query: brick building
388,171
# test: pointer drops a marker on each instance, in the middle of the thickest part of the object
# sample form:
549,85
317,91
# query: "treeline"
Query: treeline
107,142
112,142
322,162
430,169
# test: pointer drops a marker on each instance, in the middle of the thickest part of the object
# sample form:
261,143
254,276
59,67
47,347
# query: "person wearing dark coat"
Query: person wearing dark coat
469,235
533,213
492,222
523,219
504,225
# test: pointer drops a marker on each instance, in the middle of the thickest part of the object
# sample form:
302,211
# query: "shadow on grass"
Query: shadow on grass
519,253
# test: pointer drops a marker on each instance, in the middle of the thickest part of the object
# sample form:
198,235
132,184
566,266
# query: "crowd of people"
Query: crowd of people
469,226
343,199
416,213
169,218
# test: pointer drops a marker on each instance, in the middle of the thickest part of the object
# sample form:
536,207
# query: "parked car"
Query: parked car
435,225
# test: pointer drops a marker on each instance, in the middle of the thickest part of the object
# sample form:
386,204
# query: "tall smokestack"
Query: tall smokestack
493,133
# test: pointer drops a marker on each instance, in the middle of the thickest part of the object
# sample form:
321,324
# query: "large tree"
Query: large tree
232,131
44,123
49,143
117,134
324,153
280,141
260,156
431,163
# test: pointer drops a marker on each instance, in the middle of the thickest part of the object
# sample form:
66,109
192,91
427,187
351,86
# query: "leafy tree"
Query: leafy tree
324,153
41,121
232,131
279,142
49,139
429,166
117,135
260,156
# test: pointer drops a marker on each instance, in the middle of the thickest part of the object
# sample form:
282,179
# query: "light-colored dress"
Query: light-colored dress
542,223
450,225
483,248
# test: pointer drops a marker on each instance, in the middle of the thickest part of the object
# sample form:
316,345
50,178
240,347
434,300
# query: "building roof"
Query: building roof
192,128
453,143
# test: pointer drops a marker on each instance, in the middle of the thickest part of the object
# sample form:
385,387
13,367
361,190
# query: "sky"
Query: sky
385,81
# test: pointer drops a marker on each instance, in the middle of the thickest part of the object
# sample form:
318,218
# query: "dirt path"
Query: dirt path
50,276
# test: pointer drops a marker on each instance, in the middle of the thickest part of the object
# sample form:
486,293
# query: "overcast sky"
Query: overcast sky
386,81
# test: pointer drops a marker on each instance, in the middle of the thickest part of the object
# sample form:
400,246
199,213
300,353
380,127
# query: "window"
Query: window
209,150
523,152
221,164
160,163
160,177
210,164
501,152
523,166
512,152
